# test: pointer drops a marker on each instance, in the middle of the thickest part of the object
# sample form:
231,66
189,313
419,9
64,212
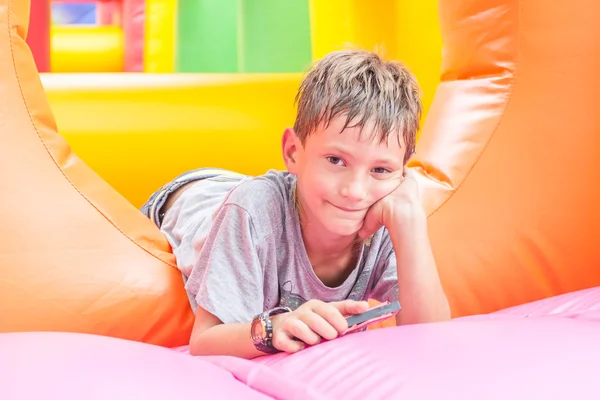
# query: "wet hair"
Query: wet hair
365,89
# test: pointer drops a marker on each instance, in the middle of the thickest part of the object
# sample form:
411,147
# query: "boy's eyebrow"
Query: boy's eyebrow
387,161
339,149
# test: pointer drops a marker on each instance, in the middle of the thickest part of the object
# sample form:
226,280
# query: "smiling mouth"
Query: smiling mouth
346,209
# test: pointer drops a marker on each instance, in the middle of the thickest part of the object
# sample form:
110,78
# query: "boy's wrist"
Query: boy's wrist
406,216
263,326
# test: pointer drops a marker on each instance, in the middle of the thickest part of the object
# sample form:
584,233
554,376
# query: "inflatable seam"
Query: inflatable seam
23,97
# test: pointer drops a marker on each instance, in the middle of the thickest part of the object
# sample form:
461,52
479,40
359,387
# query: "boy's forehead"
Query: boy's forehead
365,136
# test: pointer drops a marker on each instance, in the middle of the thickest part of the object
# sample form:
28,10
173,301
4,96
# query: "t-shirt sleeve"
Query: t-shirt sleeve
228,278
386,274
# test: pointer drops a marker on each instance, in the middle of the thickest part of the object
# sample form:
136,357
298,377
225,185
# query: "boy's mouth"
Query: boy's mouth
346,209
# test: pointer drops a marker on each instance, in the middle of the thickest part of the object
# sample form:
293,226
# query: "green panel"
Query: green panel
274,36
207,36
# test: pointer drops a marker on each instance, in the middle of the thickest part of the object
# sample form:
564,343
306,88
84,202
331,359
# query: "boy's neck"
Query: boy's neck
332,257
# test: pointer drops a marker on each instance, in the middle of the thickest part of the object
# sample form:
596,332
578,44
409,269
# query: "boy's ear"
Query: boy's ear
290,146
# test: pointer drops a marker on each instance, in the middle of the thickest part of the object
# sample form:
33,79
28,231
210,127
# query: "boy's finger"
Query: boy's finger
296,328
351,307
282,342
326,329
331,315
410,179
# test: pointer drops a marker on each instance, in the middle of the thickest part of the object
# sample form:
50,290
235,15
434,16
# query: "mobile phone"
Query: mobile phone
372,316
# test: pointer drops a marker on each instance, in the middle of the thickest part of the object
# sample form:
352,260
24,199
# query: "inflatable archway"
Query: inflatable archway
508,162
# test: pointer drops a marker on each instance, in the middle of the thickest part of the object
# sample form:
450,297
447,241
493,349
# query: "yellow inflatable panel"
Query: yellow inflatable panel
407,31
187,121
159,45
338,24
420,44
86,49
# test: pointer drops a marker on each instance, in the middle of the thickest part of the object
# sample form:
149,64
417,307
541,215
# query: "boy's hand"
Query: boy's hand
313,321
402,203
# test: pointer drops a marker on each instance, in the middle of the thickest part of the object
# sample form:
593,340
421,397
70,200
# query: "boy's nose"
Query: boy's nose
354,190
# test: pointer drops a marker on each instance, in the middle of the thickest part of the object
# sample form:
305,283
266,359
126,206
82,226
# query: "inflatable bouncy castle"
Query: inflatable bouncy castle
92,305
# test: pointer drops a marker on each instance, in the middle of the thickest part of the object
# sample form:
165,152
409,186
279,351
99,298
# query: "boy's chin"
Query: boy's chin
345,228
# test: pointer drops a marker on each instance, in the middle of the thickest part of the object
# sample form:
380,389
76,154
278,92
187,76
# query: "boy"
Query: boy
275,262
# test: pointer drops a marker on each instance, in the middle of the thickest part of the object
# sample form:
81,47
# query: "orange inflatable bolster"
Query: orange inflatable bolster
509,156
75,255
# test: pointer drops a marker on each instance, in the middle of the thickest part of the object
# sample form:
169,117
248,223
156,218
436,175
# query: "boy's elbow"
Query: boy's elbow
205,343
202,332
441,311
197,345
444,312
438,313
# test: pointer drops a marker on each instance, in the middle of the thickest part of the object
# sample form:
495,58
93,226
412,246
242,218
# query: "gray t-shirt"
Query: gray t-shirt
238,244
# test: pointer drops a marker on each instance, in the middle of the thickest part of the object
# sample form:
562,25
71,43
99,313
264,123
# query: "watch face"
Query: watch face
257,330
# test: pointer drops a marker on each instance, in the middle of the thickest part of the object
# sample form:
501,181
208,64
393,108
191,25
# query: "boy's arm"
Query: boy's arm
228,285
420,290
211,337
310,322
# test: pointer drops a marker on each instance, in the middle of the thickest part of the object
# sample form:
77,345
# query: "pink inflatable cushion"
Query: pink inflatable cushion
462,359
541,358
582,304
69,366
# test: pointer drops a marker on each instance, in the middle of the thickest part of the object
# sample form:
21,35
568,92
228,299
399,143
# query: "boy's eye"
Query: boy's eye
380,170
335,160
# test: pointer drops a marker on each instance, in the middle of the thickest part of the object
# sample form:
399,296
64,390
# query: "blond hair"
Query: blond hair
365,89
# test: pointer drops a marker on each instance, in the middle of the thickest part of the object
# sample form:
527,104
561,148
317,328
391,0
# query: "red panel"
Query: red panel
133,29
38,37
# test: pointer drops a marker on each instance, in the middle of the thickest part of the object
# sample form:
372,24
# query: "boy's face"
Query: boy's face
341,175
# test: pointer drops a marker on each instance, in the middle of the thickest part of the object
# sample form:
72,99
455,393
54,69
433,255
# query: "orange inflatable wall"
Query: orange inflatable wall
74,255
509,155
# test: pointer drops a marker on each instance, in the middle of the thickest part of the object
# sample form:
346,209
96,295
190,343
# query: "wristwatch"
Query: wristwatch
261,329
